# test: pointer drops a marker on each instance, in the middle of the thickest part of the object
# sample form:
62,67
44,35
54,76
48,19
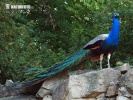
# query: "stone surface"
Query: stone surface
127,80
78,72
8,82
20,97
124,68
1,86
61,92
85,85
110,99
84,99
51,84
42,92
122,91
88,85
101,97
111,90
91,84
47,97
121,98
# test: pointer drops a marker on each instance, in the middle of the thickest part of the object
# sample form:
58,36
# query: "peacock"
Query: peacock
105,44
98,48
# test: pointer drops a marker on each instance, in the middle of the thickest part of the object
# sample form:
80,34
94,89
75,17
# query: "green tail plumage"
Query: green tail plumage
40,74
75,59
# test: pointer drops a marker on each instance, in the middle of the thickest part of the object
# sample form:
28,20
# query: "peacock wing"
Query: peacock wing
95,43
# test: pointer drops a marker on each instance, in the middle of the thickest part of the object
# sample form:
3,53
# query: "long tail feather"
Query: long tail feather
75,59
28,86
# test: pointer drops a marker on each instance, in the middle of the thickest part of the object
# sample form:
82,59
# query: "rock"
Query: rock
81,85
132,97
61,92
18,88
84,99
123,92
124,68
127,80
1,86
20,97
88,85
8,82
51,84
78,72
42,92
111,90
110,99
47,97
101,97
121,98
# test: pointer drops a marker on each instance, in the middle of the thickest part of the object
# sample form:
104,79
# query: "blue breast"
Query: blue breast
111,42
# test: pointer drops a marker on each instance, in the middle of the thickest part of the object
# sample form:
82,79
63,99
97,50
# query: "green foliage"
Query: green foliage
55,29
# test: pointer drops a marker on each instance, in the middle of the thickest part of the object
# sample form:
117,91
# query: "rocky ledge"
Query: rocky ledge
105,84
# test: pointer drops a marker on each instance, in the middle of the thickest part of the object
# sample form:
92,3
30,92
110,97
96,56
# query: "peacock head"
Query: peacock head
115,15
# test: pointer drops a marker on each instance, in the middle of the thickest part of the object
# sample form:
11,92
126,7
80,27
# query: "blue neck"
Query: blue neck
114,33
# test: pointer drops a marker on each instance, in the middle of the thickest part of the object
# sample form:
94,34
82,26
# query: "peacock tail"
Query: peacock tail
37,75
73,60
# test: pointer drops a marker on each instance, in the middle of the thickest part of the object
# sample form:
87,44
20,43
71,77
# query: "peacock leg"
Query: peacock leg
109,55
101,59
